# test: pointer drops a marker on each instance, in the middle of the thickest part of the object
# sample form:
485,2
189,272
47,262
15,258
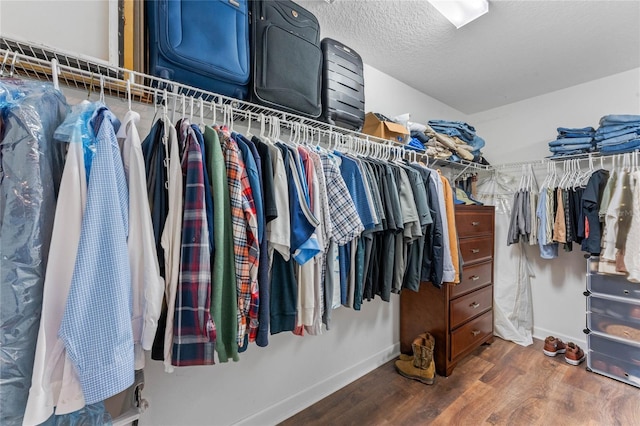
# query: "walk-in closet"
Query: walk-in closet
257,212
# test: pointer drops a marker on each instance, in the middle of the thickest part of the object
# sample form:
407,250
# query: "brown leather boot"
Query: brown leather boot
420,367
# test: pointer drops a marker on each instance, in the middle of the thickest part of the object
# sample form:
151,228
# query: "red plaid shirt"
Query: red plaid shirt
245,238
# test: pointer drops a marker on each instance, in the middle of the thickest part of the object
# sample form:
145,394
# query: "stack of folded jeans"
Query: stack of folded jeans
572,142
618,134
462,130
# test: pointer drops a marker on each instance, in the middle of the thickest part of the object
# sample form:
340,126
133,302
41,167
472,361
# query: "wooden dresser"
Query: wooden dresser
460,317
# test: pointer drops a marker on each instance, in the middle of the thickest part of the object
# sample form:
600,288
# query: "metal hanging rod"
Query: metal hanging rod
579,158
24,59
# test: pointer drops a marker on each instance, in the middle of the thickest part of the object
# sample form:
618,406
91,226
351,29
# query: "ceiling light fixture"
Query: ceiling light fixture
461,12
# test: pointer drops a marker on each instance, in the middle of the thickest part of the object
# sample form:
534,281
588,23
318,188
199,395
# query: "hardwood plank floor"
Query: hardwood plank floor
499,384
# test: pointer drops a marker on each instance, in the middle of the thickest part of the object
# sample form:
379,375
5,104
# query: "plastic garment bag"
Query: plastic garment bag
513,308
90,415
31,168
77,128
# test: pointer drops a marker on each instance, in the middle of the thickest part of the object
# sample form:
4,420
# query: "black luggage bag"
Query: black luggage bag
286,57
342,85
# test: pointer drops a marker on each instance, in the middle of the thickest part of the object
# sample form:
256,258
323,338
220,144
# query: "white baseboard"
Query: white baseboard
542,333
298,402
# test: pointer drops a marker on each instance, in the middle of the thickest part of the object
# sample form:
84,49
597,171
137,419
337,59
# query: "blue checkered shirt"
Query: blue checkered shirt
96,325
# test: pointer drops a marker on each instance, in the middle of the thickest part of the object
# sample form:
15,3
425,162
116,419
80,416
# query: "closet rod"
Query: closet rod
25,59
593,157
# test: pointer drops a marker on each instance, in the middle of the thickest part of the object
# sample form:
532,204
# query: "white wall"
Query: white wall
520,132
75,26
391,97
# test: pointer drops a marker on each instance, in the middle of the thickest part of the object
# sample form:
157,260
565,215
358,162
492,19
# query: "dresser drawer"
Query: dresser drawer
613,285
473,277
475,249
471,334
472,223
469,306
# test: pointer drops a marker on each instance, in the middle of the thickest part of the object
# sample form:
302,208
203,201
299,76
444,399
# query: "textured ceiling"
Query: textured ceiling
518,50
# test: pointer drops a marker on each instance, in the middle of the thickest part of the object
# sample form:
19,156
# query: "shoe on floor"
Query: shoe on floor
553,346
420,366
405,357
574,355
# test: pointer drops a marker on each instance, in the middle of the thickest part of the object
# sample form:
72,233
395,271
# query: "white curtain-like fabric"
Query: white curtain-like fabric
513,309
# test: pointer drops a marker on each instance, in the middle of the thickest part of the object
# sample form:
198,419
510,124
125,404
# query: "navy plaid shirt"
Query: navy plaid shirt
194,332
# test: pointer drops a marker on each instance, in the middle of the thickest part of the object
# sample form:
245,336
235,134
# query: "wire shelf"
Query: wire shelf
28,60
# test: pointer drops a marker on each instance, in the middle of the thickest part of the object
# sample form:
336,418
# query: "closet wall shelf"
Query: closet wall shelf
583,159
29,60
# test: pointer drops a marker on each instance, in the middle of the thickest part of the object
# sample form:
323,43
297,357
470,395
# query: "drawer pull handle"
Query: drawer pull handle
474,305
475,223
475,332
626,292
474,251
474,278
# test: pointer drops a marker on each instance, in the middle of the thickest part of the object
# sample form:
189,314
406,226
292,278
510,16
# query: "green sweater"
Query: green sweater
224,304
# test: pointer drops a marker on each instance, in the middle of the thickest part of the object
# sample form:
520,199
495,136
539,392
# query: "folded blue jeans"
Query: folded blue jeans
614,133
568,153
620,148
618,139
570,147
566,131
570,141
619,118
615,127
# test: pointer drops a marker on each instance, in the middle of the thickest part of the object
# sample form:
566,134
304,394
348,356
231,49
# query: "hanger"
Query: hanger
202,125
13,64
214,114
191,108
248,118
55,73
270,134
261,120
225,117
175,106
231,116
183,102
165,133
4,61
101,99
129,94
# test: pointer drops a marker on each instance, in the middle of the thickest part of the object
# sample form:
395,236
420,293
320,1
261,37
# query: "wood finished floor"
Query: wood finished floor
499,384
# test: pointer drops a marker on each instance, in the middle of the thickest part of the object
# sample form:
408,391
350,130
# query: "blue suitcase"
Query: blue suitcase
204,44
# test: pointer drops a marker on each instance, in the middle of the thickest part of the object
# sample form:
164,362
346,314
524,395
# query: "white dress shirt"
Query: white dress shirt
147,284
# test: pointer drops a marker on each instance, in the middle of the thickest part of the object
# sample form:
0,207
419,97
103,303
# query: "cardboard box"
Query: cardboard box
384,129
